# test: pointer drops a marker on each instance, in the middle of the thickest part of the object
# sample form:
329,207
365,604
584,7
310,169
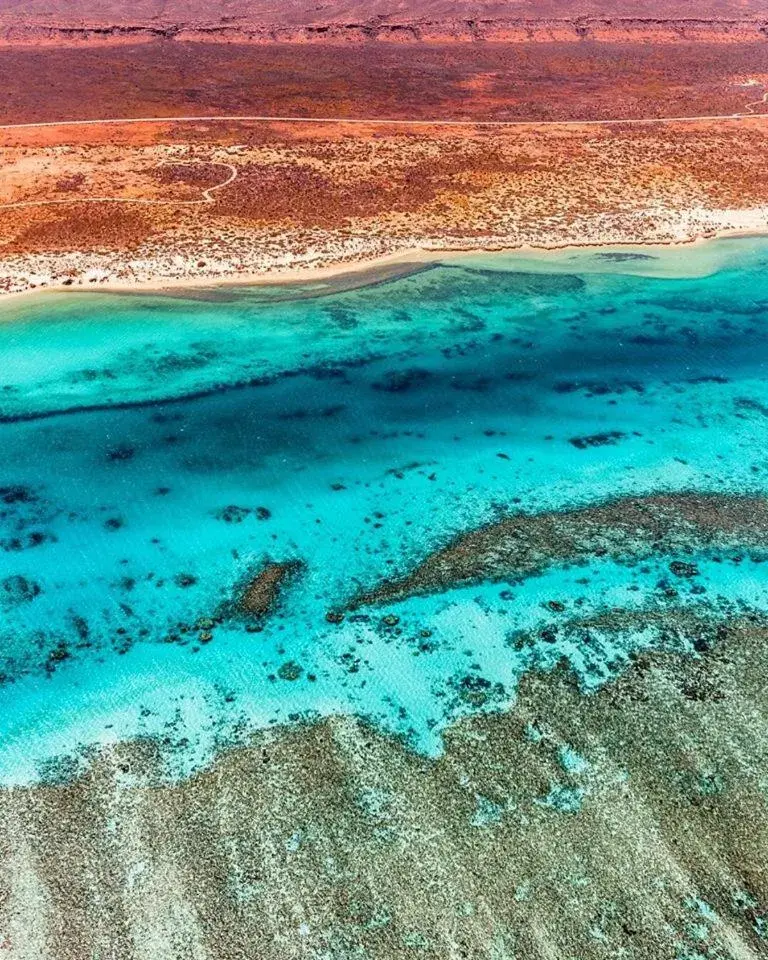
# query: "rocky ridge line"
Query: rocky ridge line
17,32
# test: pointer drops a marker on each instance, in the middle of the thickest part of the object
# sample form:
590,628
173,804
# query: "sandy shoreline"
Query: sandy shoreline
315,208
348,273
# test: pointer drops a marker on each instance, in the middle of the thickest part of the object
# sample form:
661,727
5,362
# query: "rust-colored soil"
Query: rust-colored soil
310,11
311,194
219,199
361,21
488,81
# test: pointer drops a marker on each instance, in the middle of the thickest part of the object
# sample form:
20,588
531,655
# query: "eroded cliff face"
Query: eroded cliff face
20,28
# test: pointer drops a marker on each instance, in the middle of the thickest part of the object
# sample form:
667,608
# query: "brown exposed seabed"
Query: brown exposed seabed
628,527
629,822
262,592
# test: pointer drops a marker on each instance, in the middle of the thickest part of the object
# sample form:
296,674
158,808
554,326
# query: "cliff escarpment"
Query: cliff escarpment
17,30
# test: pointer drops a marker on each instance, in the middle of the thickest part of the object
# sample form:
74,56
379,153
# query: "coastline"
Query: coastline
356,271
307,206
384,515
241,805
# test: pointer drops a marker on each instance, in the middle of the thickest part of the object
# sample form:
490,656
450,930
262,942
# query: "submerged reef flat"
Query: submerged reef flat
630,822
384,501
262,592
425,618
632,527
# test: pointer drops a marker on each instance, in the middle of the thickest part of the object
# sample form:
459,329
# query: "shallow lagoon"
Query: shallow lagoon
356,432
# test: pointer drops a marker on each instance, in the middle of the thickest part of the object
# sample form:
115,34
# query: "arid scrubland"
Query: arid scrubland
218,200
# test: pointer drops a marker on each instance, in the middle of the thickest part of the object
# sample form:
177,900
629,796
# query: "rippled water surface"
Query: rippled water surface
158,452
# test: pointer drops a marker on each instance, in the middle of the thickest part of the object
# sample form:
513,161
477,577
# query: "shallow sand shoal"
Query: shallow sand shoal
697,256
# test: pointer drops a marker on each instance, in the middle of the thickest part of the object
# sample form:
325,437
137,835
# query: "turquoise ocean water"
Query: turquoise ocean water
157,451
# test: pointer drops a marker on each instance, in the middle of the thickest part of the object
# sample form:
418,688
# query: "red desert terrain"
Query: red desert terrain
365,19
484,81
204,197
